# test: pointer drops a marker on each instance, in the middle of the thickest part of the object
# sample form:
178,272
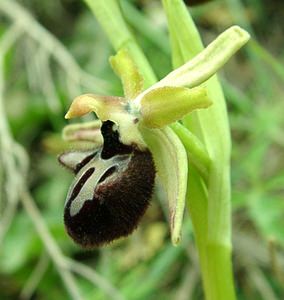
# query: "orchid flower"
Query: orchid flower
134,140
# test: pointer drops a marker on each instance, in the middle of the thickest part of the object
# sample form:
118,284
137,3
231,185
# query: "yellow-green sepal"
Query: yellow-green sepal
165,105
204,65
126,69
103,106
171,163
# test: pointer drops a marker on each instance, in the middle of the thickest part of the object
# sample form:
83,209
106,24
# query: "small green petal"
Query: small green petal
127,71
171,163
89,132
165,105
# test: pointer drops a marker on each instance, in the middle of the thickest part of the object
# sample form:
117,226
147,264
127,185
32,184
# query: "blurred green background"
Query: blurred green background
52,51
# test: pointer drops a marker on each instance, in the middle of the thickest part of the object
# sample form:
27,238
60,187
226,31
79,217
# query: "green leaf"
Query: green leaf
165,105
171,163
127,71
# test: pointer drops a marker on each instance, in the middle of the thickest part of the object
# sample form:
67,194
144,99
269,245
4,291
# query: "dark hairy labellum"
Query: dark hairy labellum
110,193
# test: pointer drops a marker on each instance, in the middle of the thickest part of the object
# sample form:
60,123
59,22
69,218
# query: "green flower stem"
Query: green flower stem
110,18
211,127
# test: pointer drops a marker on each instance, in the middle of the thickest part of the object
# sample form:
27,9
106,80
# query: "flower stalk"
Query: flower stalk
199,145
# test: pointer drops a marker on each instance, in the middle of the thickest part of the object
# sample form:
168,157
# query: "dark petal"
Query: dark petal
118,205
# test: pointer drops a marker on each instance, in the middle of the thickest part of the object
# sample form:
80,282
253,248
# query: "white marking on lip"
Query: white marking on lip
87,191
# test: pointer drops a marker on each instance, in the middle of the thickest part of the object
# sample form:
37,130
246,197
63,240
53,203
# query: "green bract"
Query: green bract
142,117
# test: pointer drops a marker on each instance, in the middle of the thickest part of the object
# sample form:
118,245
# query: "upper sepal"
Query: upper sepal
126,69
